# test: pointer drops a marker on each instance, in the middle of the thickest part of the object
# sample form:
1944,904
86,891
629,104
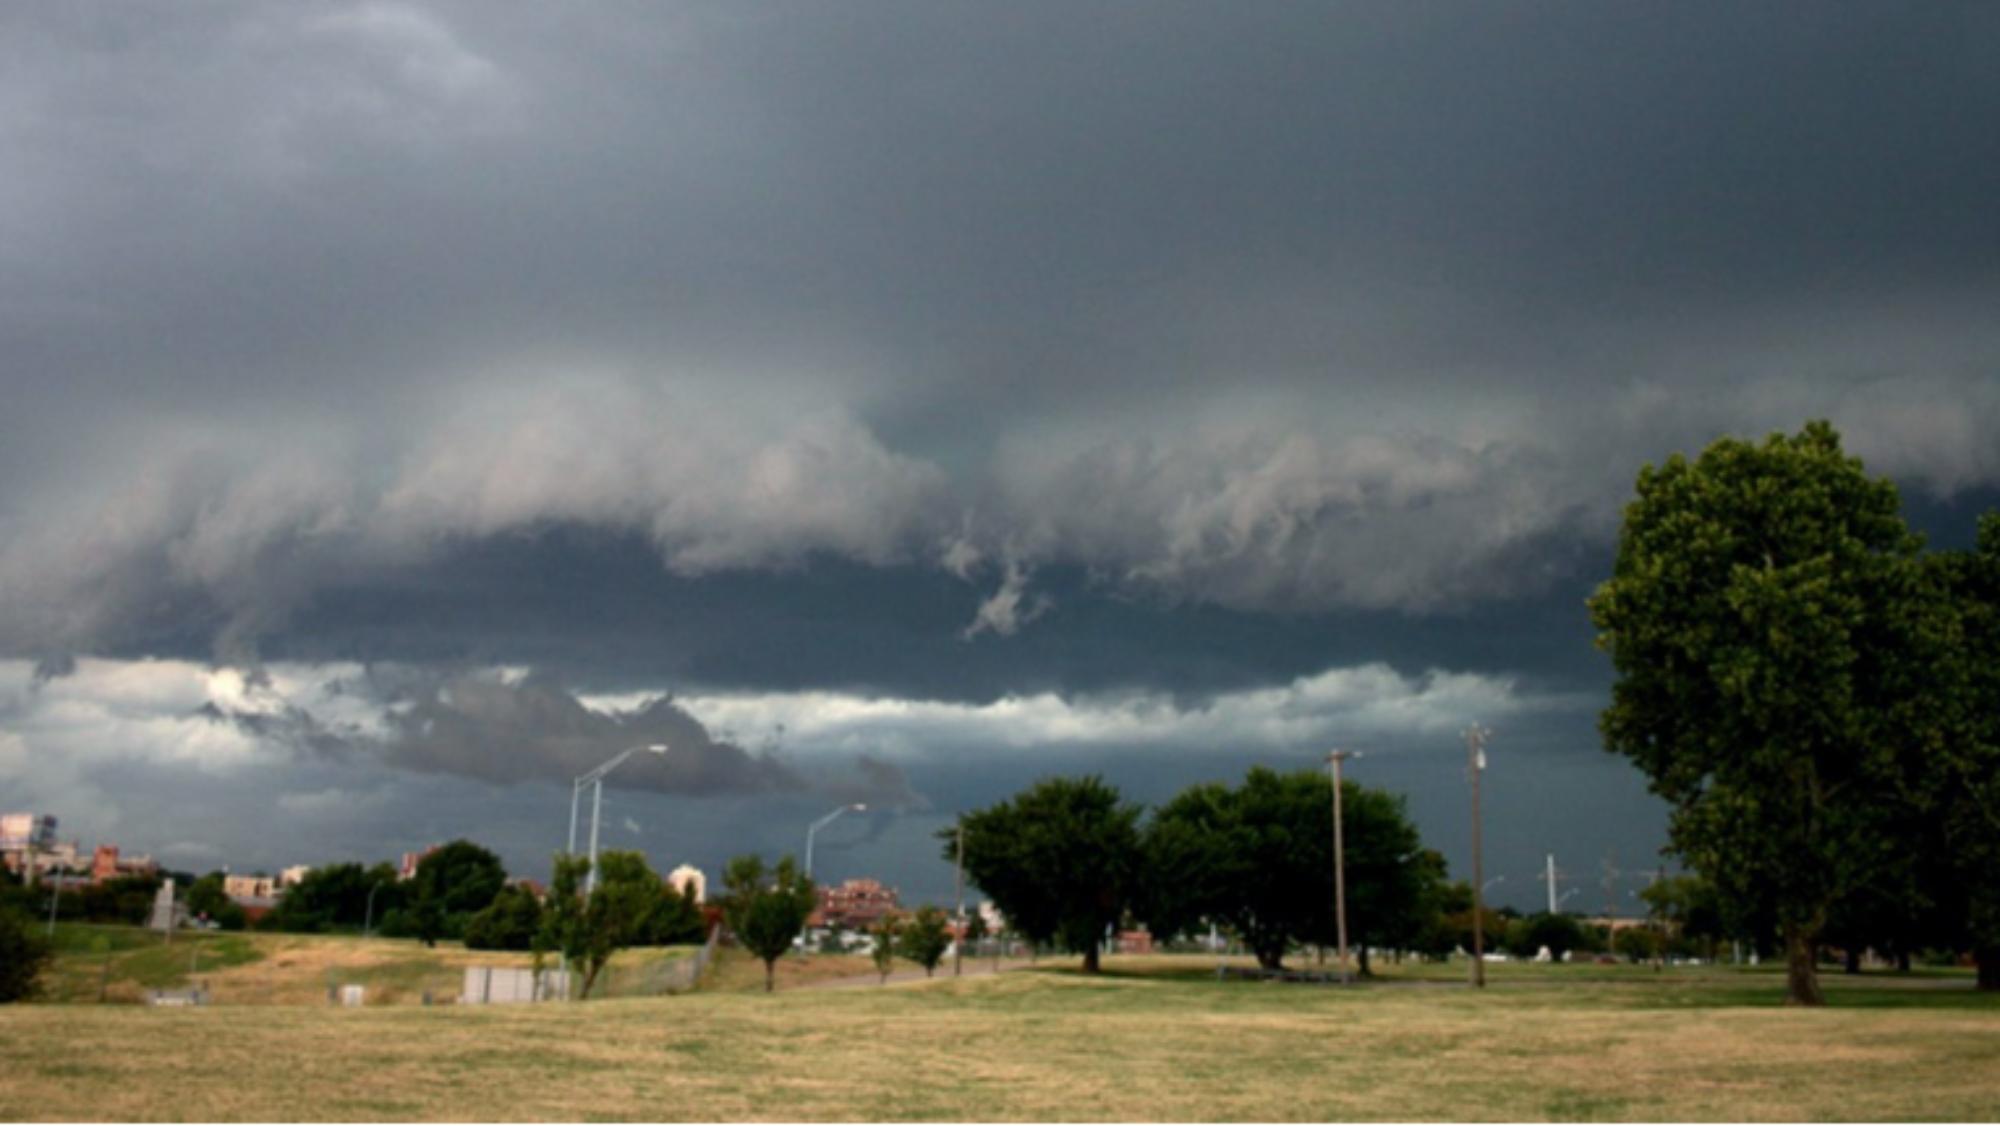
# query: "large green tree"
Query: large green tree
1761,617
1061,859
510,922
767,908
1258,858
1961,854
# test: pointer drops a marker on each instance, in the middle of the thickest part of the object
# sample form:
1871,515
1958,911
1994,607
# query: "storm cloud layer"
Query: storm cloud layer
1215,346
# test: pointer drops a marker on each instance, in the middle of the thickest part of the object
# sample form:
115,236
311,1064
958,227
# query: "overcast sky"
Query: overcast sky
410,405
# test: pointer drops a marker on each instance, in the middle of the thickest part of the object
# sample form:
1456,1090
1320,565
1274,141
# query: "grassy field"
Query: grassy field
1154,1039
246,968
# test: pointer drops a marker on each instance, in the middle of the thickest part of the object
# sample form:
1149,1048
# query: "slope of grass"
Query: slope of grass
1149,1042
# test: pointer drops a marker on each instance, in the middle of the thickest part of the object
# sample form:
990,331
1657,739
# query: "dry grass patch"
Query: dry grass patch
1036,1045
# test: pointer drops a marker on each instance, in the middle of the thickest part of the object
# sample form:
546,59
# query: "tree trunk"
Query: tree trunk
1989,967
1902,961
770,975
1361,957
1090,958
1853,963
1801,974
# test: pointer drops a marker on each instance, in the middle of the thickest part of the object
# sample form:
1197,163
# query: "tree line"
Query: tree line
1069,861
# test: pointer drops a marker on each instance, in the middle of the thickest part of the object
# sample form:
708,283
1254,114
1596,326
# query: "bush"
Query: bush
24,953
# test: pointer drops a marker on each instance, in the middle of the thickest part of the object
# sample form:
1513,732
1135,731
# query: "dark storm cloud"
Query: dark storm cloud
936,351
1276,307
480,727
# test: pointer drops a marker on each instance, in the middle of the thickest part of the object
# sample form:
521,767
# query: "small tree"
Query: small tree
589,929
1559,933
767,908
925,939
24,953
884,953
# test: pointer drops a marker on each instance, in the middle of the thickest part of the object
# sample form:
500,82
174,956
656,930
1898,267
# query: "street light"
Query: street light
1475,750
822,823
1491,882
595,780
1333,760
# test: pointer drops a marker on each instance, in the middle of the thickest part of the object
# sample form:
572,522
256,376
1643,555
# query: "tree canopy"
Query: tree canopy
1061,859
767,908
1763,621
1258,858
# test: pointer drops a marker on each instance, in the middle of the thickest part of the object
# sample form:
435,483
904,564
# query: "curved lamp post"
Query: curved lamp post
822,823
595,780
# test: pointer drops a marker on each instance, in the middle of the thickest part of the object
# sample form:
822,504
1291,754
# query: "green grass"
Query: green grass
121,962
1154,1039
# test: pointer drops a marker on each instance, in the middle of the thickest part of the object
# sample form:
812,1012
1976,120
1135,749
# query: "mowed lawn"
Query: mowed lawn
1155,1039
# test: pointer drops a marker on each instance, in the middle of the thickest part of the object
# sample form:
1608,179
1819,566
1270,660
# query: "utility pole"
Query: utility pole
958,947
1334,759
1475,750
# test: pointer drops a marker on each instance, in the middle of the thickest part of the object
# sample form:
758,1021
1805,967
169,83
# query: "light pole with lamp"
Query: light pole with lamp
1475,749
1333,760
815,827
595,780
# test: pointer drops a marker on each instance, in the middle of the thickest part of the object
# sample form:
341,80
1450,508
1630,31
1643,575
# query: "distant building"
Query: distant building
107,864
689,881
250,889
293,875
22,834
1135,942
855,905
22,831
407,870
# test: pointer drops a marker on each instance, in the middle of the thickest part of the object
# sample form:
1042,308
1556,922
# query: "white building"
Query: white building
688,880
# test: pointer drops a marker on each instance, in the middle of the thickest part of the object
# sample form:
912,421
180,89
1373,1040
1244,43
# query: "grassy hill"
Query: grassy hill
250,968
1156,1039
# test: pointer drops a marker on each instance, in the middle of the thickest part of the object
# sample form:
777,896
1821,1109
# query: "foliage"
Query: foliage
207,900
510,922
1761,620
24,954
1559,933
767,908
1061,859
884,952
675,919
335,897
1962,793
453,881
589,928
925,938
1259,859
1637,944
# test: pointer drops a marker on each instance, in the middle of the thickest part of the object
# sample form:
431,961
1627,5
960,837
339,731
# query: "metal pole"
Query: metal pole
958,948
368,914
575,792
1552,883
1339,868
55,893
1475,746
810,830
596,811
